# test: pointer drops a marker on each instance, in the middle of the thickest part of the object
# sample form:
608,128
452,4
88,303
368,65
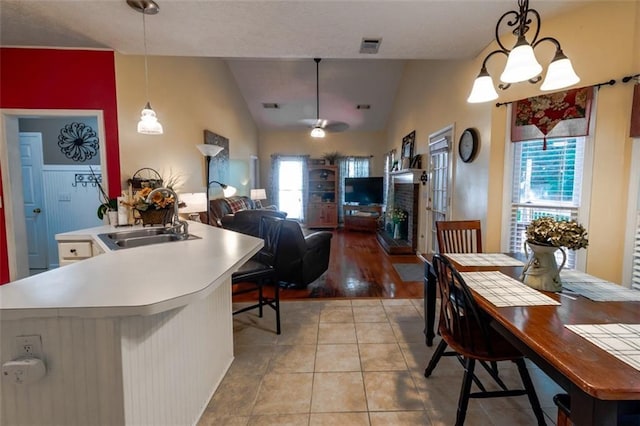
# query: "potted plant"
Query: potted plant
331,157
545,236
107,204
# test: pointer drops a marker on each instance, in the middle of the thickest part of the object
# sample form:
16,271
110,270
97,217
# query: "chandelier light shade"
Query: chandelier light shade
317,131
522,64
148,124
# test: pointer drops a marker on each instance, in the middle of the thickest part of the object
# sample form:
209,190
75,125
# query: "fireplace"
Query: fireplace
404,196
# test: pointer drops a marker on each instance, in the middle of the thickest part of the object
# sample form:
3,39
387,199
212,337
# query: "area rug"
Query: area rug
410,271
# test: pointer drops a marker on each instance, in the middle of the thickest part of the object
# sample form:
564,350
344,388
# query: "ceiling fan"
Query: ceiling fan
318,125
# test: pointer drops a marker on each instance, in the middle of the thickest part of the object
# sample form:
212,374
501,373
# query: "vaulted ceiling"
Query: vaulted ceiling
269,45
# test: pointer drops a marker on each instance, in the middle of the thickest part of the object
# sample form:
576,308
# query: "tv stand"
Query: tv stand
361,218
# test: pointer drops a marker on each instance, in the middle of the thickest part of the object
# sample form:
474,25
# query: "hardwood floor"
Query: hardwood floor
358,267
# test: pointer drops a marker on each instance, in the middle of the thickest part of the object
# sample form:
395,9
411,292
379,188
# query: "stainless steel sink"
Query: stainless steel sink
141,237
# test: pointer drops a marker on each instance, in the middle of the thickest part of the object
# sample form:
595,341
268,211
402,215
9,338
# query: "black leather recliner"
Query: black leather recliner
301,259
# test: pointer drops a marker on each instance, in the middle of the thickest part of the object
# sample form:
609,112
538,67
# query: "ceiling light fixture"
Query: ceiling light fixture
522,64
148,124
317,131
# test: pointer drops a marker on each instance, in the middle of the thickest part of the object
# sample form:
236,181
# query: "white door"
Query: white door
36,220
438,204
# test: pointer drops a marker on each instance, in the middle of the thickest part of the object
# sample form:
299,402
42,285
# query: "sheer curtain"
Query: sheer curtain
350,167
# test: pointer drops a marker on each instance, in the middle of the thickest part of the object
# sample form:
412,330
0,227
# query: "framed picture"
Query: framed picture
407,145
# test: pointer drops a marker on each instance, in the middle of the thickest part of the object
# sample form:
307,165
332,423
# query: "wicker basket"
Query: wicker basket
156,216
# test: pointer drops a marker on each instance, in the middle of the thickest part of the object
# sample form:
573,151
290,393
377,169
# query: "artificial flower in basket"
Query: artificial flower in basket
545,236
158,210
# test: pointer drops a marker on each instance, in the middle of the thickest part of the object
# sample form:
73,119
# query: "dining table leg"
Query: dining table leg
429,302
589,411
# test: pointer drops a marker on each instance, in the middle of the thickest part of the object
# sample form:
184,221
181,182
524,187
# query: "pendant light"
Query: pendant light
148,124
522,64
317,131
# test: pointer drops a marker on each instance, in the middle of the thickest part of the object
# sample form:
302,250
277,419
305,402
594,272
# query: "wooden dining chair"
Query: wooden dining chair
455,236
464,327
260,271
459,236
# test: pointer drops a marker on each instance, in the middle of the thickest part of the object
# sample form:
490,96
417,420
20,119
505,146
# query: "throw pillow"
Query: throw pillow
236,204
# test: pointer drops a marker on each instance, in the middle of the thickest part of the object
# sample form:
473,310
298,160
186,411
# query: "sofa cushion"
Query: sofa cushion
237,204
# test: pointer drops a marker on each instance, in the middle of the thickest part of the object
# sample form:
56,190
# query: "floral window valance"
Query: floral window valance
556,115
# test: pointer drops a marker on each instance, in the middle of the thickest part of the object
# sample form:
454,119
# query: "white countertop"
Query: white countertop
134,281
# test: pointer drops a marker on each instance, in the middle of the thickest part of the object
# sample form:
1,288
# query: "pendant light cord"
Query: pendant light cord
317,89
146,70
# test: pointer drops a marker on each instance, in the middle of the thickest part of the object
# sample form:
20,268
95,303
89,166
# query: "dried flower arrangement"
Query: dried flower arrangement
397,215
548,231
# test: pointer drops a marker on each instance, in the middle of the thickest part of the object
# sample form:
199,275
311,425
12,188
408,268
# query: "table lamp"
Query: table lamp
257,195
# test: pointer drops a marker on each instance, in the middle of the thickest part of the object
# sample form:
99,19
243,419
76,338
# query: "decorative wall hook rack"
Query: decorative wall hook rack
85,179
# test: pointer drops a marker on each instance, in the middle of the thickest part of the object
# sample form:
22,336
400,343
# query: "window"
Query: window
290,188
635,269
545,183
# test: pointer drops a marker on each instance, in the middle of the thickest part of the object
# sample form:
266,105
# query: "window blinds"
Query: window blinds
545,183
635,271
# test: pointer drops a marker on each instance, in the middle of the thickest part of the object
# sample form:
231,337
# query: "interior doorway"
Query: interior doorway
440,177
61,206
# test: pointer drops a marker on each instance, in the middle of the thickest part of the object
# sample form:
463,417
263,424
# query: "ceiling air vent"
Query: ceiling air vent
270,105
363,106
370,45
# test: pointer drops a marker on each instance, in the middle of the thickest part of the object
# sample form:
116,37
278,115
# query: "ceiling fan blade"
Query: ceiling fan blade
335,126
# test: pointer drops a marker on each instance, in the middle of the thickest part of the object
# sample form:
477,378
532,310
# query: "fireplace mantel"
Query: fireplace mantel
407,175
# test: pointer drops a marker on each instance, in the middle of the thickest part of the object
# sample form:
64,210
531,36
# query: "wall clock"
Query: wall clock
468,145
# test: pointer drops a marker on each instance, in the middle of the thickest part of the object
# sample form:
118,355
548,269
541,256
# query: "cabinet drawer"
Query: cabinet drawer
74,250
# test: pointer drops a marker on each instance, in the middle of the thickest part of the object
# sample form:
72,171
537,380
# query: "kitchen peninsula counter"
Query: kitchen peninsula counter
132,336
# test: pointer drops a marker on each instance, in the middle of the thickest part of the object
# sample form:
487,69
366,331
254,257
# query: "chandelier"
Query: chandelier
522,64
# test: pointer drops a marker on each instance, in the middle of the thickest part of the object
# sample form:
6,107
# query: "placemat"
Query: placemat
503,291
597,289
484,259
619,340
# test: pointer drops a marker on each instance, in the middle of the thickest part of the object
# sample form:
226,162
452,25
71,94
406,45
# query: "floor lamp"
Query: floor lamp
209,151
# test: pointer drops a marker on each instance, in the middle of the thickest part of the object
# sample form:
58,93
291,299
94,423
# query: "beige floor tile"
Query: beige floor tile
248,330
211,419
344,303
251,359
513,417
366,302
381,357
286,393
342,419
336,315
415,355
235,395
403,313
400,418
375,332
336,333
409,331
374,313
391,391
293,359
298,333
397,302
345,357
338,392
280,420
447,417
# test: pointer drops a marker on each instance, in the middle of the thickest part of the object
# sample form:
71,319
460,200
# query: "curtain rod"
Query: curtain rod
611,82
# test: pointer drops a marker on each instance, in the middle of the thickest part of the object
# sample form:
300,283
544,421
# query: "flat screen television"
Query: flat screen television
363,190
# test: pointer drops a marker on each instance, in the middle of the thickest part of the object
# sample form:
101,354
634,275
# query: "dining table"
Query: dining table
572,339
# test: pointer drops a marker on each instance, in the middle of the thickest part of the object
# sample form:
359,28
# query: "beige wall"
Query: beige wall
601,40
300,143
189,95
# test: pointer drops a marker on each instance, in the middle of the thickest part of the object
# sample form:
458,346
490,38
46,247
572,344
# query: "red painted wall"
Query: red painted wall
60,79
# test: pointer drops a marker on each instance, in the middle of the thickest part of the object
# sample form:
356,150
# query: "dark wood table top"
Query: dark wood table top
541,328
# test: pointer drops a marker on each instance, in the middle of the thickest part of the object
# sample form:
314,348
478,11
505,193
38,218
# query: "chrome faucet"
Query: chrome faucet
180,227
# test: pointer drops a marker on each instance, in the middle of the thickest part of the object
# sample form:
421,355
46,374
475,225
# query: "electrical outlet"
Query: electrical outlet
30,346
